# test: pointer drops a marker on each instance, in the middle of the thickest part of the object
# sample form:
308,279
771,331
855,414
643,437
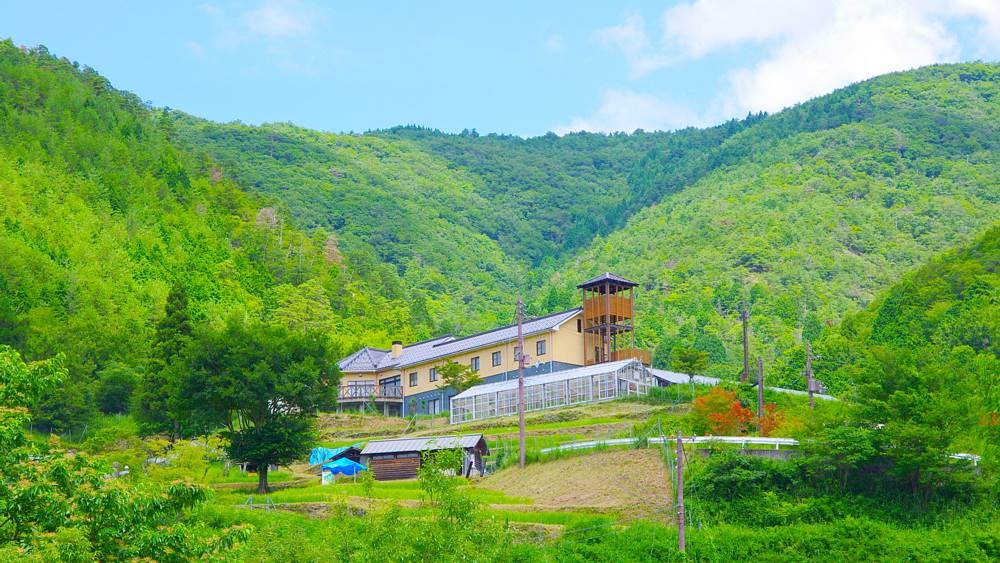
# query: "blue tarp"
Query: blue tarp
344,466
319,455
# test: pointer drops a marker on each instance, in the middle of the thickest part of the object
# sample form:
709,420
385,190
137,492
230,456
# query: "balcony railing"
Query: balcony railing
626,354
372,391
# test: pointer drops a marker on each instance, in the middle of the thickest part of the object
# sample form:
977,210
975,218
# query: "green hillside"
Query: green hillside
550,196
812,212
806,214
102,214
457,221
927,351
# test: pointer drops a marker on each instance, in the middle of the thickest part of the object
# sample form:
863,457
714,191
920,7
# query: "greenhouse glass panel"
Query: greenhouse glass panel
507,402
552,390
578,390
555,394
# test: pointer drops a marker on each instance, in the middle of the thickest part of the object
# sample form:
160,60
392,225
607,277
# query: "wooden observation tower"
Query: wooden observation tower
609,320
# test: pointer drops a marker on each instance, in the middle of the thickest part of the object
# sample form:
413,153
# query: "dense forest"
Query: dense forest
103,214
805,216
140,245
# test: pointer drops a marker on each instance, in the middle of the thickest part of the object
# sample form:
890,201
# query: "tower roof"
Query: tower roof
605,278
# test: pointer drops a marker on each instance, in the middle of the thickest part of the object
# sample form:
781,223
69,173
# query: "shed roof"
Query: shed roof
428,443
675,377
561,375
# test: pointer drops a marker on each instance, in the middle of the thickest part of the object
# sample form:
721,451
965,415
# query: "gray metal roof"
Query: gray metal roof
446,346
562,375
675,377
607,277
365,359
421,444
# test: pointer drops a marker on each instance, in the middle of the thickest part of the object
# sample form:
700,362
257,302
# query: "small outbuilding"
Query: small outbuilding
319,456
400,458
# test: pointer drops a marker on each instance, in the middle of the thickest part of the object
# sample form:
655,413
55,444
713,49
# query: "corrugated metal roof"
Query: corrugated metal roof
421,444
546,378
676,377
445,346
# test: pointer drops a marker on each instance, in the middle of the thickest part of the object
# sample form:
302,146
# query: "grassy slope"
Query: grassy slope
633,482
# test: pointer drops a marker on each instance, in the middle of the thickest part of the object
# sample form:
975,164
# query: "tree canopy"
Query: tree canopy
265,384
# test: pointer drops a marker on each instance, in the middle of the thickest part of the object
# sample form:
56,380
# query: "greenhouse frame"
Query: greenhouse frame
600,382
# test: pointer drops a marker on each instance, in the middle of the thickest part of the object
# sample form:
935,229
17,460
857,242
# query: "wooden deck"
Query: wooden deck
626,354
349,393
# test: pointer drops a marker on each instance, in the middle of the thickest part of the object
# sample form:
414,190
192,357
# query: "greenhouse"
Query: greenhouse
598,382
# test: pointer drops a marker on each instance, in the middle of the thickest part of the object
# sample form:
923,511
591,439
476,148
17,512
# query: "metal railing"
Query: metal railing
372,391
626,354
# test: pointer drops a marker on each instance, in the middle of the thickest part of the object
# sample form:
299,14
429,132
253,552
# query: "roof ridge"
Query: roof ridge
499,328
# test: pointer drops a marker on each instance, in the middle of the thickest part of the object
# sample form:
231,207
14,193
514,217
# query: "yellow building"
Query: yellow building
403,380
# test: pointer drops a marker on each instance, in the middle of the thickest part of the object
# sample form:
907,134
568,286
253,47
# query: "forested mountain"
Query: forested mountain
811,213
807,215
923,359
102,214
463,221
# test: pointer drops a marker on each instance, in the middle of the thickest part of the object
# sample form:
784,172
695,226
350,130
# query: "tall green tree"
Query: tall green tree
264,384
154,407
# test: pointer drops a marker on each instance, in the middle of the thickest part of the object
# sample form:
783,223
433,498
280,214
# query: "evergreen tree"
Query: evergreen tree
154,406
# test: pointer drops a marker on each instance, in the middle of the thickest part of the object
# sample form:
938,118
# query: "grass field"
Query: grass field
599,486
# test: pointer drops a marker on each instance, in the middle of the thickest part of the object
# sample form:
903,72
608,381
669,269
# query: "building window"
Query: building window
413,379
434,406
540,348
474,363
579,325
434,374
496,359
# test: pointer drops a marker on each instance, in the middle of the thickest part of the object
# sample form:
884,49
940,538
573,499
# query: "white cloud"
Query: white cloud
699,28
273,22
804,49
195,48
276,29
623,110
279,19
987,14
555,43
860,40
631,39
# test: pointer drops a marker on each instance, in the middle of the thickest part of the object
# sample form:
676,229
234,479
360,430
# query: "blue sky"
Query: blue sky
507,67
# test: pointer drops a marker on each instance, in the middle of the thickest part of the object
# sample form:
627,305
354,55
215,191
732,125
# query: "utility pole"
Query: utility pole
520,381
680,492
810,382
760,388
744,316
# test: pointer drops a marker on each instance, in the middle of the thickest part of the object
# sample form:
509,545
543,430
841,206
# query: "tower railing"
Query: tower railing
625,354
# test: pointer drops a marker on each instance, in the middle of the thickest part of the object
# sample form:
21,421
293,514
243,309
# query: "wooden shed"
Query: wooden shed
400,458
